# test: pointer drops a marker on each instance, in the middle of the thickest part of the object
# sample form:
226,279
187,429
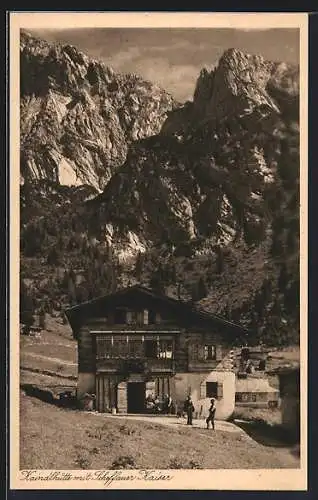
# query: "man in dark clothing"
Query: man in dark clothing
189,409
167,404
211,415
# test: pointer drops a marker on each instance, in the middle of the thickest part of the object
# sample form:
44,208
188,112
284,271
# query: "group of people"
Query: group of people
154,404
189,410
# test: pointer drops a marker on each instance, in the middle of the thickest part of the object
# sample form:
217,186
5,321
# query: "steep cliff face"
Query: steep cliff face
78,117
210,171
219,186
204,195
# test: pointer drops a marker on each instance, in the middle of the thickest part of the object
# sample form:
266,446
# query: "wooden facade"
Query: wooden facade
134,343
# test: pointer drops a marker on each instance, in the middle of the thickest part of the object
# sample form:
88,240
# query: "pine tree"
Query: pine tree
139,266
172,273
202,290
64,282
26,306
156,282
53,257
71,291
112,277
266,291
219,260
194,292
42,318
283,278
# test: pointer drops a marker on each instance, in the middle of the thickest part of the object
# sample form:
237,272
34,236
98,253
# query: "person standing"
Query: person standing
157,406
211,415
167,404
189,409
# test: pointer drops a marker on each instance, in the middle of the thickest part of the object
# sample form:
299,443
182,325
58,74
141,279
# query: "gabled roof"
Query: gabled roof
186,310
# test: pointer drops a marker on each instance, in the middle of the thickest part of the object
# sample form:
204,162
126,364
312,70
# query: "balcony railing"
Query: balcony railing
135,365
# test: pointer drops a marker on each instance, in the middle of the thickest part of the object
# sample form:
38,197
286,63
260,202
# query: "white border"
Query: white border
284,479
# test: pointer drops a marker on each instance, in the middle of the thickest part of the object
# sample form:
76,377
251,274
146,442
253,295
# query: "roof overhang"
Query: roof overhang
186,311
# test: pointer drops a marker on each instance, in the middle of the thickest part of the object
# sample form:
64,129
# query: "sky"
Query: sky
174,57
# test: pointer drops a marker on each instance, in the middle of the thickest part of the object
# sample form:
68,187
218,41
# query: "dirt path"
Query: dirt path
172,421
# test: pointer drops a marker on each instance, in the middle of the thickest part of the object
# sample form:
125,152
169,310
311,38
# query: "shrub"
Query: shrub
82,462
124,462
184,463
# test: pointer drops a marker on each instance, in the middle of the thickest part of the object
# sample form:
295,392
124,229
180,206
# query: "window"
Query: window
135,347
120,347
238,397
151,349
214,390
129,317
120,317
211,389
154,317
209,352
165,349
103,347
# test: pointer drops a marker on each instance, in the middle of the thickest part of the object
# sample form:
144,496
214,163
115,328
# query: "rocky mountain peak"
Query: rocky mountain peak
78,112
213,182
209,169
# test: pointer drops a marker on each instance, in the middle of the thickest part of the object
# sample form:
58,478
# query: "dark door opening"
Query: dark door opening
136,394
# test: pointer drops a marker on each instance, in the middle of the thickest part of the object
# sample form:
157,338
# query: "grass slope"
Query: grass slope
55,438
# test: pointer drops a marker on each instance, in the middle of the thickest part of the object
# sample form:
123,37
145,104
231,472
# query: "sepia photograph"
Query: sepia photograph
157,244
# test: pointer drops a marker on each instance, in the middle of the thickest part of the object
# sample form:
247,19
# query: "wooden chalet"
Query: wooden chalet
136,342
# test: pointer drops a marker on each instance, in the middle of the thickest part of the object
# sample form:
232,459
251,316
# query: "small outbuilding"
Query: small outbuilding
255,392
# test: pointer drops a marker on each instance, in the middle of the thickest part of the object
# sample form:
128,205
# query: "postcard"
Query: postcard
158,251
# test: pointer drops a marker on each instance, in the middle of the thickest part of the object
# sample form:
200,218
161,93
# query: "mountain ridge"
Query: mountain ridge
189,198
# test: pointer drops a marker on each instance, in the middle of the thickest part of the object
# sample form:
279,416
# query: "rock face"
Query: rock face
216,178
78,117
209,173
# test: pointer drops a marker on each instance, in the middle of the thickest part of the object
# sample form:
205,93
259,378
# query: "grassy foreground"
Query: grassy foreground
56,438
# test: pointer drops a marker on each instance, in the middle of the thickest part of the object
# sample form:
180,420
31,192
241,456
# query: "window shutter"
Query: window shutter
212,352
201,356
193,351
219,353
140,318
129,317
203,390
220,390
146,317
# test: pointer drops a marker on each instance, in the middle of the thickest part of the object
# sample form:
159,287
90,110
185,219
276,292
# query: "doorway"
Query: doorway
136,393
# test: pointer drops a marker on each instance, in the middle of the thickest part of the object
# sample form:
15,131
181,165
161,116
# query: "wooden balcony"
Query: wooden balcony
160,365
135,365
